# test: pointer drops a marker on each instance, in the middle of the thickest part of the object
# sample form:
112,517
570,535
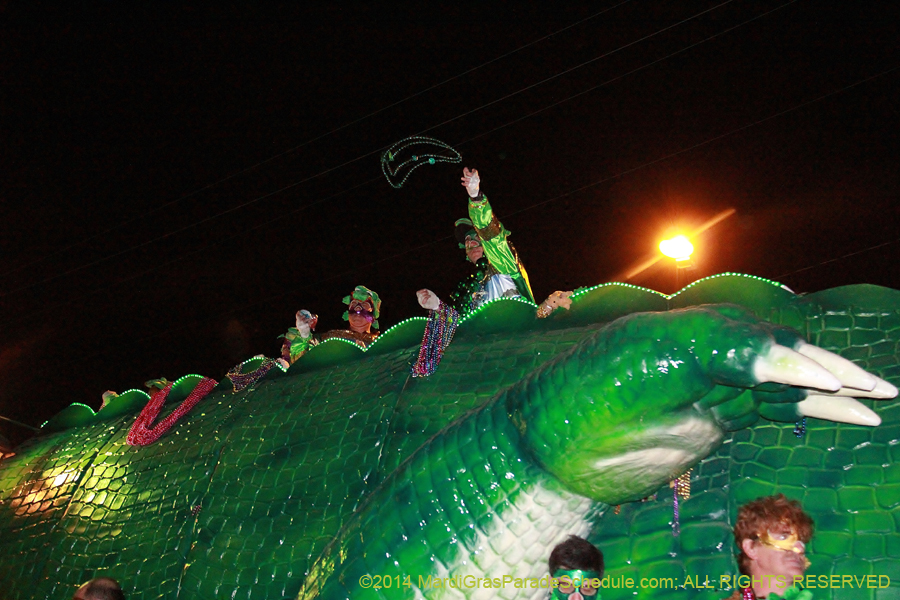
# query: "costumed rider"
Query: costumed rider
107,397
772,534
298,340
576,567
499,272
363,310
154,386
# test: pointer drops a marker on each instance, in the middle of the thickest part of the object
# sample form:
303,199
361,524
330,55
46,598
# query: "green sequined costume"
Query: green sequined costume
502,260
295,345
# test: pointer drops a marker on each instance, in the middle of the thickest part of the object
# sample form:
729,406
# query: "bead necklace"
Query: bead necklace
394,159
442,323
142,435
463,297
681,489
241,381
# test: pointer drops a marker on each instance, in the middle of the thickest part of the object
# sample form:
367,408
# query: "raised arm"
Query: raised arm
493,234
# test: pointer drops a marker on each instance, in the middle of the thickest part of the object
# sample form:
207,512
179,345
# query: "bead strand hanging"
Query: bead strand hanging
439,330
681,490
142,435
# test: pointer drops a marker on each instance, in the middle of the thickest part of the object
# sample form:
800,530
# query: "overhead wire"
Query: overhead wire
513,213
363,156
708,141
298,147
833,260
179,258
582,65
423,246
631,72
346,163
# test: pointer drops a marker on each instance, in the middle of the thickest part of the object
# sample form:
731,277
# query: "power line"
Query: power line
181,257
461,143
361,157
831,260
631,72
539,204
182,229
294,149
709,141
584,64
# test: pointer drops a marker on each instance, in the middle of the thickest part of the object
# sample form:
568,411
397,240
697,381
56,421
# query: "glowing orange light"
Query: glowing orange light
639,268
678,247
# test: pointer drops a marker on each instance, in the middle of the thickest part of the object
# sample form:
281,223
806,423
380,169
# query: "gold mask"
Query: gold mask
791,543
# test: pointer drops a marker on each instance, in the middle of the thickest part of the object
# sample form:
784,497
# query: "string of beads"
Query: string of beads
392,162
241,381
442,323
142,435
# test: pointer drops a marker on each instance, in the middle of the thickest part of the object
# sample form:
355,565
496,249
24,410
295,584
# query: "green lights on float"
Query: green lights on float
583,291
184,377
392,327
484,306
728,274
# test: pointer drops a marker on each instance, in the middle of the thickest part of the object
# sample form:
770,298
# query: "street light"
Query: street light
680,248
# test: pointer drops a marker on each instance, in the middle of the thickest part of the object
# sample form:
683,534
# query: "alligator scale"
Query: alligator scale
529,431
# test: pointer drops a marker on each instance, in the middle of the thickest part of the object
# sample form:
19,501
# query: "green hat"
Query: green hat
465,229
362,293
159,384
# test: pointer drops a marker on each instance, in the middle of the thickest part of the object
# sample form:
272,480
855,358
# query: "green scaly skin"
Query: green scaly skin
624,411
346,467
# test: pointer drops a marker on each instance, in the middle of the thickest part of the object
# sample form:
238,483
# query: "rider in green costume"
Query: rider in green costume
482,235
500,273
298,340
364,307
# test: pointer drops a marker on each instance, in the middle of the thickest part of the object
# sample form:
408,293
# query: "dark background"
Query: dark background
178,182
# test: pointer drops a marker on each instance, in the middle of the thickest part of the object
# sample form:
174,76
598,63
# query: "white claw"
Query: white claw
849,374
783,365
882,391
836,408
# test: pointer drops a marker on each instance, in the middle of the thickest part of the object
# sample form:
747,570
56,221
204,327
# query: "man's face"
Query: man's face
575,584
474,251
304,316
779,552
360,316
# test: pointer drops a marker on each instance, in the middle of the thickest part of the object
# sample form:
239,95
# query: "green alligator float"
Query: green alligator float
347,478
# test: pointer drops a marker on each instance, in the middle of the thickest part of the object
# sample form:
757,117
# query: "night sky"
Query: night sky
179,182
